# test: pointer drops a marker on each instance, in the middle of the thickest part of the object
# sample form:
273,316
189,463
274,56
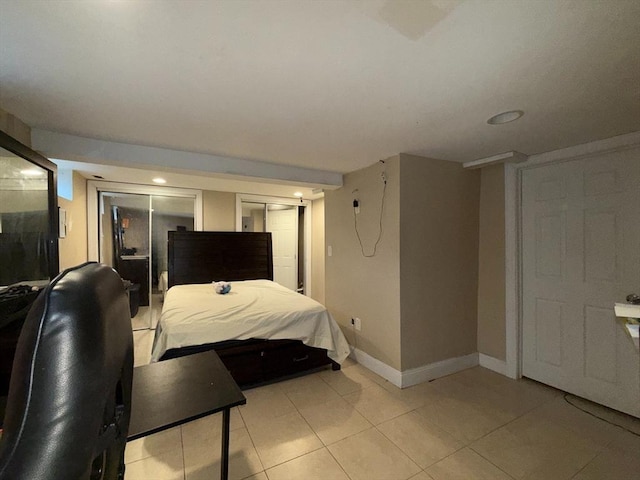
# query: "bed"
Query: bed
260,330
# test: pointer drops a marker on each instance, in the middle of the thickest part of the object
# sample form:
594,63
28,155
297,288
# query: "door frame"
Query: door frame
513,235
244,197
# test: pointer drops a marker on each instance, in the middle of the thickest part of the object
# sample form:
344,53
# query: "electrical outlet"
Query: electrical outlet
357,323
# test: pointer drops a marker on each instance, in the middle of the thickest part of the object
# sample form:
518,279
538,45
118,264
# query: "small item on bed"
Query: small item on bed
222,287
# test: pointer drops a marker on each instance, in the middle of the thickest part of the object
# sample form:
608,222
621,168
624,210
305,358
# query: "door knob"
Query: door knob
633,298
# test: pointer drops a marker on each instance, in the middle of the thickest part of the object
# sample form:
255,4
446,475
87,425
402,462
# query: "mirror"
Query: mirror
133,240
125,247
28,215
286,224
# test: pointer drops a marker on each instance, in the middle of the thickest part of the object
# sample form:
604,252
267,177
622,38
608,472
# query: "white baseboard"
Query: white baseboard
438,369
492,363
376,366
418,375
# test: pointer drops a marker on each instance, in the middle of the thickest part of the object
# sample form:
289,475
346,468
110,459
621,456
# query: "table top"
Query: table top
172,392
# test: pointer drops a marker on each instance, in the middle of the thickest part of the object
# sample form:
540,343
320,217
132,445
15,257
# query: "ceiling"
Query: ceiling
327,85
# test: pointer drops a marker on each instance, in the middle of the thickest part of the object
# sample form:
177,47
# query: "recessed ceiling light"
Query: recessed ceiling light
505,117
298,194
31,172
159,180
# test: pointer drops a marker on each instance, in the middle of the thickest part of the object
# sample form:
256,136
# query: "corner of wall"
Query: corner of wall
439,261
491,264
317,251
74,247
13,126
366,286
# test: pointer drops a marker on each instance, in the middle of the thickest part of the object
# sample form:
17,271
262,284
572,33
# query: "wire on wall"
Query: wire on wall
355,219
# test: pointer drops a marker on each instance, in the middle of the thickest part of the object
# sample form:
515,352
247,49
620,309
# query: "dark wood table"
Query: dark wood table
177,391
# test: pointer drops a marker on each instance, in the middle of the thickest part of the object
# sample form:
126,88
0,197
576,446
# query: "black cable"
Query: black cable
598,417
355,222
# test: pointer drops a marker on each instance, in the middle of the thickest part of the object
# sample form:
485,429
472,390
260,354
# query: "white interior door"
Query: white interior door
283,225
580,255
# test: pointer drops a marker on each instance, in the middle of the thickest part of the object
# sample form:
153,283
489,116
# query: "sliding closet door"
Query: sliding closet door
286,223
125,245
133,240
169,213
253,215
282,222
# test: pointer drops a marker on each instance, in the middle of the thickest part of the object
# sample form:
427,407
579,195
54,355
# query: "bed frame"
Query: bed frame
203,257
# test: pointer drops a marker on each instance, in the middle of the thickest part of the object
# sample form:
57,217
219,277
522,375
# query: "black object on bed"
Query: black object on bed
203,257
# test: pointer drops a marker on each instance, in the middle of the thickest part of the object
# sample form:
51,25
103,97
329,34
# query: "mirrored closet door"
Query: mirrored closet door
125,245
287,222
167,214
132,237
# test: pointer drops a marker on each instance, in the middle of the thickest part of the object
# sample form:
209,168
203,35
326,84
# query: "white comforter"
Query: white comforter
196,315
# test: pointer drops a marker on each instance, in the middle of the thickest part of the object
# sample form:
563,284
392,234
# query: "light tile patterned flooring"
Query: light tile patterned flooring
353,425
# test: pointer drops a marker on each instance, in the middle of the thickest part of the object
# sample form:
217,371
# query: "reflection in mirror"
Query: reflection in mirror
168,214
133,240
124,244
286,224
282,222
253,217
24,220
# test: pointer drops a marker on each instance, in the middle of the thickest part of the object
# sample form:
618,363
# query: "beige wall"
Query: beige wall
73,248
219,211
15,127
439,260
417,297
368,288
491,263
317,250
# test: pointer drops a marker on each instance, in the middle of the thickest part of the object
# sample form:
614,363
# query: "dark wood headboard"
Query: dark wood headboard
203,257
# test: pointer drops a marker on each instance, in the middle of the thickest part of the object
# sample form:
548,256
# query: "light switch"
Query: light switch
329,251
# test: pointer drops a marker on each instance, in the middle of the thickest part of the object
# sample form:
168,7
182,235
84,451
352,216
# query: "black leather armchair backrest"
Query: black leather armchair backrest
69,399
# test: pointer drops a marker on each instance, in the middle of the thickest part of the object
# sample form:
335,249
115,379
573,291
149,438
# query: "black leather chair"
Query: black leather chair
69,399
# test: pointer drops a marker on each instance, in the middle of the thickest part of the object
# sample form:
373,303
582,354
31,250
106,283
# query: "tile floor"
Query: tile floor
352,425
148,315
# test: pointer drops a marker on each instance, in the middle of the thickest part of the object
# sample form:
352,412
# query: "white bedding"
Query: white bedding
197,315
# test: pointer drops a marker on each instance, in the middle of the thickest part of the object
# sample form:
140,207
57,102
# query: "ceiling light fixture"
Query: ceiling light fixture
505,117
159,180
298,194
